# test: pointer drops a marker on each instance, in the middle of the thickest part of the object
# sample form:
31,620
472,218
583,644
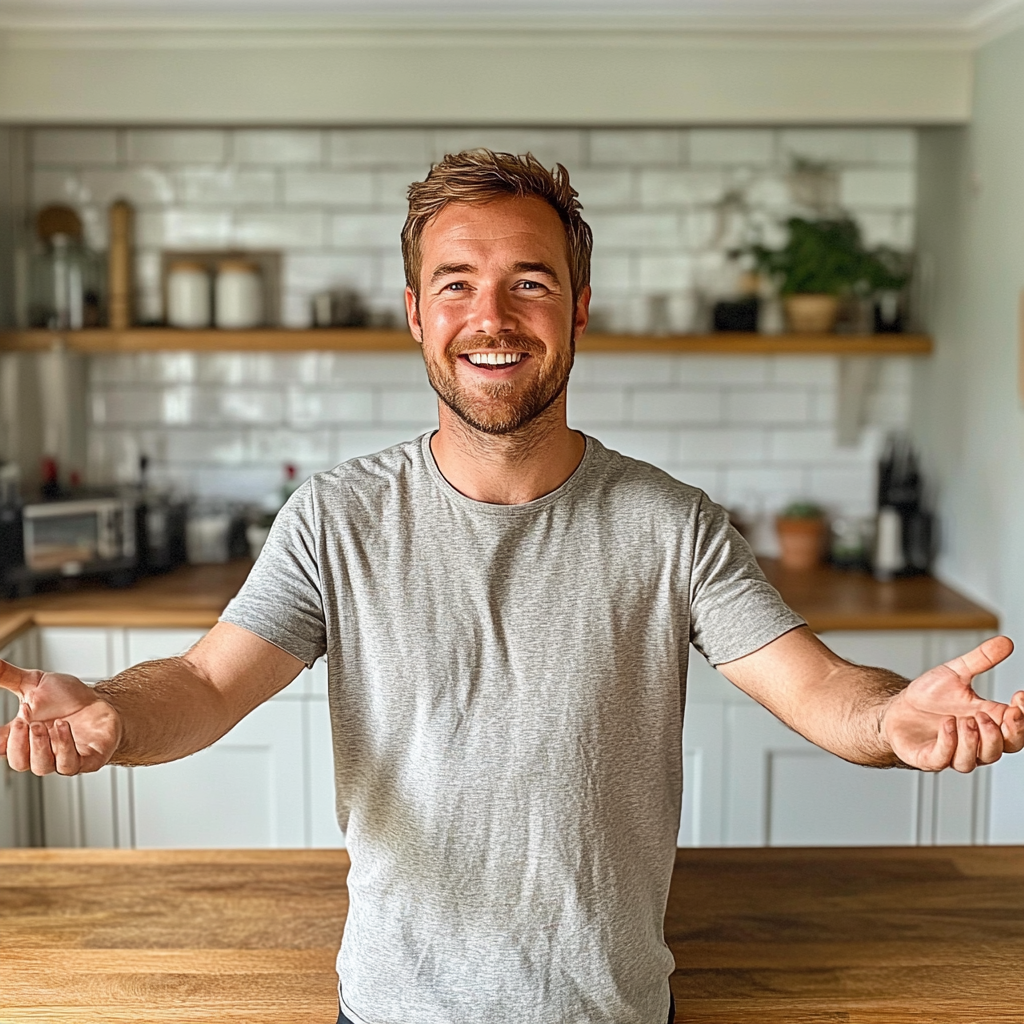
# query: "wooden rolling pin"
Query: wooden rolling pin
119,266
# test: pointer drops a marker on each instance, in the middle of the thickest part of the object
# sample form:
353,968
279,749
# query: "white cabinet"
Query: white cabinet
771,787
268,783
20,805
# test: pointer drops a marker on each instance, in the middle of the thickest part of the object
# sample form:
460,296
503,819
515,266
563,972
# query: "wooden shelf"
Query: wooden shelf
162,339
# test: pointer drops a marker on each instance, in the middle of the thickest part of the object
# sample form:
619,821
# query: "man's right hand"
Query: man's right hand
62,725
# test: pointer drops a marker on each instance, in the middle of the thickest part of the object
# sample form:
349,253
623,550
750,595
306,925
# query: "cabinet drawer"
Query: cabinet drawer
79,651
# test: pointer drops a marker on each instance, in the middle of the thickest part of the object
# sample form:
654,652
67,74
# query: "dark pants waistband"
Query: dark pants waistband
342,1019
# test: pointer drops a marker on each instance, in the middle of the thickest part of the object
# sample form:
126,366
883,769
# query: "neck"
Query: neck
507,469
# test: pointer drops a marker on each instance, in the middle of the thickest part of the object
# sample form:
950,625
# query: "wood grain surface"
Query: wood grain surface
194,596
767,936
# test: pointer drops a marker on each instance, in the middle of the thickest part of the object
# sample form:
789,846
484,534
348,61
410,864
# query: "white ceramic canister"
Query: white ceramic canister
239,294
188,294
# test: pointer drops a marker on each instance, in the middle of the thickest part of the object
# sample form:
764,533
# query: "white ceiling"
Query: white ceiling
969,22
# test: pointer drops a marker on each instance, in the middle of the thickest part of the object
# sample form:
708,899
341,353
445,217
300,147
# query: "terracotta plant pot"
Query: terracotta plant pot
811,314
802,542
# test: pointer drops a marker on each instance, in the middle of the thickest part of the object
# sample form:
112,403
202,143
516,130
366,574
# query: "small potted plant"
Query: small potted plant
822,261
802,529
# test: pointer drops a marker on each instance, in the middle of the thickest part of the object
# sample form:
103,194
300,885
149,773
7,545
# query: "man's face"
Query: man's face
495,314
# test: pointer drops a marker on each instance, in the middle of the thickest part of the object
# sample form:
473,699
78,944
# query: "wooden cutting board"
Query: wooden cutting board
870,936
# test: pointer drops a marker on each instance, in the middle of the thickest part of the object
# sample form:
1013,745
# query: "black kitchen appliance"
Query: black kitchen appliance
901,489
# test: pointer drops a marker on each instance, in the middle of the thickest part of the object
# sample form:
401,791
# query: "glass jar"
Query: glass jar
67,282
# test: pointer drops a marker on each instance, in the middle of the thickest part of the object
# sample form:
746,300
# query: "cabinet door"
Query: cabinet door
323,824
703,761
244,791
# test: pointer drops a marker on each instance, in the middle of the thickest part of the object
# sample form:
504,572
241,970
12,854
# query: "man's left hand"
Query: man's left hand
938,721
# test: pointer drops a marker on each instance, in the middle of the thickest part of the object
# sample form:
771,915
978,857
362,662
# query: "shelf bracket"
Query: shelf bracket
856,375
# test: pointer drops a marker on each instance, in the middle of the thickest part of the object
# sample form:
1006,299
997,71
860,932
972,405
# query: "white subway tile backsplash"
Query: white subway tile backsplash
379,147
329,188
722,444
352,444
183,228
175,145
308,407
761,406
602,189
587,407
676,406
894,146
642,368
277,146
870,188
731,146
548,145
682,187
827,145
636,146
656,446
74,146
414,406
753,432
279,229
367,230
225,186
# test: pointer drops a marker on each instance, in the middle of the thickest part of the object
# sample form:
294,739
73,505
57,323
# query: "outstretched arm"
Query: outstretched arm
154,712
875,717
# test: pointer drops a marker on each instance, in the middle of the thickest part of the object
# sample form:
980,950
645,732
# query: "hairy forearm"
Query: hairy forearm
845,711
167,710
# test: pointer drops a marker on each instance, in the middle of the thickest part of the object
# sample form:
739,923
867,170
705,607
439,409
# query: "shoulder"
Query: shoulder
638,482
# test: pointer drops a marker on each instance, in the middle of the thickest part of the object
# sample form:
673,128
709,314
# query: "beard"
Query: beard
504,406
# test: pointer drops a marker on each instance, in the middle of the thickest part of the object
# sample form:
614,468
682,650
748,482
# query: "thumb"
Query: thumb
983,657
15,679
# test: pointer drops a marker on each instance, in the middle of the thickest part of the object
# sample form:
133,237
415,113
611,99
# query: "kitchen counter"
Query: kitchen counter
760,936
194,596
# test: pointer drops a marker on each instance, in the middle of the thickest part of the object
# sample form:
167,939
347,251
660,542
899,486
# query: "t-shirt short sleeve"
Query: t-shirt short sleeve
282,599
734,610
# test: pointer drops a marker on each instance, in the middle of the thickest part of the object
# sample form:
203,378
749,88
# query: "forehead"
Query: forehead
498,227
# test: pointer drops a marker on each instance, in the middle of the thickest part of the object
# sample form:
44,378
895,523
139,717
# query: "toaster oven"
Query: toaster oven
72,538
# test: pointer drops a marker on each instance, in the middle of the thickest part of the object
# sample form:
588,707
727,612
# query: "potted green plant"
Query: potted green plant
801,528
821,261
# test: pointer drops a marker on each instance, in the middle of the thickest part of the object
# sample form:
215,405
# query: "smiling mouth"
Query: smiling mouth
486,360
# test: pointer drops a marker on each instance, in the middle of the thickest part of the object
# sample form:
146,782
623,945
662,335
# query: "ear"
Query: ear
412,315
581,315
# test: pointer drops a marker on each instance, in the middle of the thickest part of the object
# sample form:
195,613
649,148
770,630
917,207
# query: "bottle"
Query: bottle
290,485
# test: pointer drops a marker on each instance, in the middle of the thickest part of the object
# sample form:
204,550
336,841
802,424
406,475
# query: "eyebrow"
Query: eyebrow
523,267
444,269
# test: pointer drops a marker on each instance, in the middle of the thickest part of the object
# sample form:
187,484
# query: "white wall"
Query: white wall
756,433
967,410
472,71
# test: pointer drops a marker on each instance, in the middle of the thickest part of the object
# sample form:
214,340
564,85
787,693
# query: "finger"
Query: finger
41,753
66,756
990,745
4,730
1012,729
941,755
967,738
17,745
983,657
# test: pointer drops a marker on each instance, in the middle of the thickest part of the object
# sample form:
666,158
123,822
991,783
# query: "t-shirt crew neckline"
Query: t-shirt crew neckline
490,508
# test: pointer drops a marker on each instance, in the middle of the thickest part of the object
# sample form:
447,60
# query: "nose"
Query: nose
492,311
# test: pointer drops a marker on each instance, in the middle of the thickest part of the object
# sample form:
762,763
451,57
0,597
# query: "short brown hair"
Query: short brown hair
480,176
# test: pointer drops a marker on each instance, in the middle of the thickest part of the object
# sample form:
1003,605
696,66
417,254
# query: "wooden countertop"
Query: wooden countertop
927,935
194,596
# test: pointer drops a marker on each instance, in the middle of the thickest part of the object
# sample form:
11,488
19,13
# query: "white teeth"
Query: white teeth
494,358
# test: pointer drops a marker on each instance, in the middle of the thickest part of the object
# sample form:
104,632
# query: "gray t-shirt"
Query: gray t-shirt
506,688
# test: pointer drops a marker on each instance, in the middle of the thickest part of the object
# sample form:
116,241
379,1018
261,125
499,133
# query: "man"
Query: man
506,609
